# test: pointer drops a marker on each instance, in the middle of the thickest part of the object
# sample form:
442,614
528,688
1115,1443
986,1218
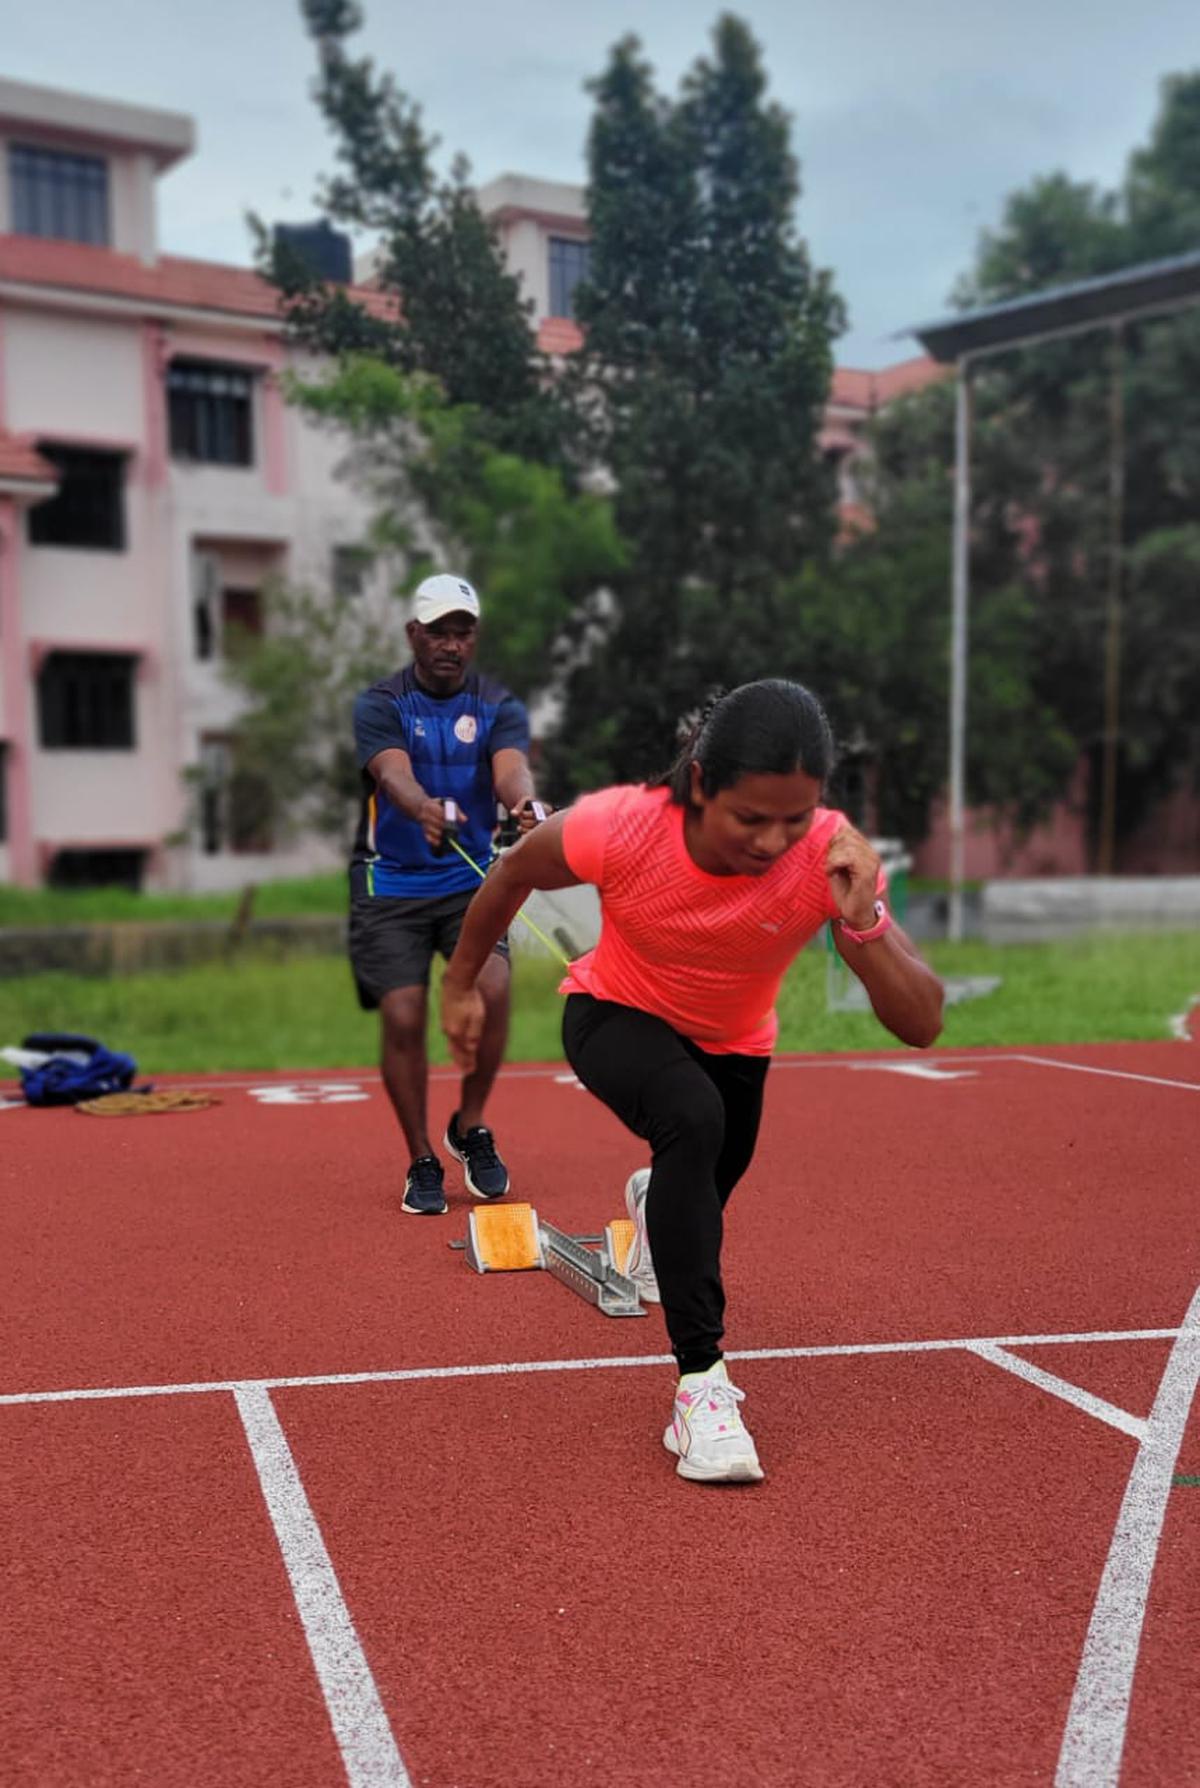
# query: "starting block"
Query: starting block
508,1238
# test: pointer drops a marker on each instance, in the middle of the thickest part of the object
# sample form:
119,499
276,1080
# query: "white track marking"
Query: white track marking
308,1092
1062,1387
546,1071
915,1070
894,1062
1046,1061
602,1363
1095,1731
356,1714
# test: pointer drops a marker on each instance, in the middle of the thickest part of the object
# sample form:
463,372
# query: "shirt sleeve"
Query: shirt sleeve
510,729
586,828
377,726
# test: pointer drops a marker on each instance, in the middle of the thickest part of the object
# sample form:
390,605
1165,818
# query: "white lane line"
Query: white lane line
360,1726
309,1077
1046,1061
603,1362
916,1070
549,1071
1062,1387
1095,1730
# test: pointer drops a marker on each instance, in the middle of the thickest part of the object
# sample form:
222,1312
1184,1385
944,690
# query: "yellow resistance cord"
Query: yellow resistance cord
482,874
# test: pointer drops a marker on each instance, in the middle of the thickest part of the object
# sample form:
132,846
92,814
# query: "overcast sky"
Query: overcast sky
912,119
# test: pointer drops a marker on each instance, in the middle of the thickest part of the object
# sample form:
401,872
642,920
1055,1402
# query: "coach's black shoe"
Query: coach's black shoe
484,1171
424,1190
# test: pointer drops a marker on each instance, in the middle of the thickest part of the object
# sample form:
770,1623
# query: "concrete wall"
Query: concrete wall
75,376
127,949
1018,912
993,848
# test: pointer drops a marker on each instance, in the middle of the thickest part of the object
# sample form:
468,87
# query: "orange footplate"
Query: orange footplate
504,1238
618,1238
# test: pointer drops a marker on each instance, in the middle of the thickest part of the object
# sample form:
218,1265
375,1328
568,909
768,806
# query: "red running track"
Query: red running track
459,1556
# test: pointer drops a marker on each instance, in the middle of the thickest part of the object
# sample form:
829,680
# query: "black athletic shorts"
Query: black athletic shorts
392,941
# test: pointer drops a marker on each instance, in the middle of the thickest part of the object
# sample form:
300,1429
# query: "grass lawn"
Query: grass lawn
257,1014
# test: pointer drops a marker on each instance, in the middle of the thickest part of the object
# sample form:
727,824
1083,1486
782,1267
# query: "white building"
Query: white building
152,477
140,392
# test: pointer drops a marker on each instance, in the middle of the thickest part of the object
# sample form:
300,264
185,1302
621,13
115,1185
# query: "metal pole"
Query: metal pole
1112,640
958,643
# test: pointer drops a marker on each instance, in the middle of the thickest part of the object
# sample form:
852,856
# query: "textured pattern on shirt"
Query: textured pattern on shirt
705,952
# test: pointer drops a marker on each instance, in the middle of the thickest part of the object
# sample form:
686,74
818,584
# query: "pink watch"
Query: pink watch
883,923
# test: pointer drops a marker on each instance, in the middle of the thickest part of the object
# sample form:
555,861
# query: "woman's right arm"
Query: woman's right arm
538,861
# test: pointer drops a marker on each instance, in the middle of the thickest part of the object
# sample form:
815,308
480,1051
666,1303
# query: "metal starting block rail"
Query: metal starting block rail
508,1238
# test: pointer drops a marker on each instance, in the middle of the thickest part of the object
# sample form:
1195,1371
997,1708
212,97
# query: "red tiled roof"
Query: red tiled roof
853,388
20,459
171,281
907,376
859,390
559,335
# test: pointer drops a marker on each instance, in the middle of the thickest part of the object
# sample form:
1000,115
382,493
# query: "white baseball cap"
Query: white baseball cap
444,594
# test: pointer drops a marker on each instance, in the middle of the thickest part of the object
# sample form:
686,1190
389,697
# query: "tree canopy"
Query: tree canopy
1040,536
703,379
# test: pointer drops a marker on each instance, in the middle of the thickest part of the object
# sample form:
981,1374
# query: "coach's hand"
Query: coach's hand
853,867
463,1014
431,817
531,813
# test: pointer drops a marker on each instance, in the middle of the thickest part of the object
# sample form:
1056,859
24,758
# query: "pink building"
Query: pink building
152,477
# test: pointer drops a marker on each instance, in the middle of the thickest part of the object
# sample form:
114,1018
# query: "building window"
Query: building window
85,701
250,810
236,807
350,567
210,412
204,630
568,265
224,620
55,193
88,508
241,613
98,869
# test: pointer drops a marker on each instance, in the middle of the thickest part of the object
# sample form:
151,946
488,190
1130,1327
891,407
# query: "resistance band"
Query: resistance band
482,874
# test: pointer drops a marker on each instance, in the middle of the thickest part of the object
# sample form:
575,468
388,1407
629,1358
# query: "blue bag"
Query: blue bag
79,1068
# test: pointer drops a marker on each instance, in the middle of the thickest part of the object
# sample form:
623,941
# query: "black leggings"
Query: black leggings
700,1114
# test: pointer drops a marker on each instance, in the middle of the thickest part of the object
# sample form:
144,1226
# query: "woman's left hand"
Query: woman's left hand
853,867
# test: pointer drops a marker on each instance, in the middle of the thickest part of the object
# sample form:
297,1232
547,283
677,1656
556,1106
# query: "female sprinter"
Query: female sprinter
710,882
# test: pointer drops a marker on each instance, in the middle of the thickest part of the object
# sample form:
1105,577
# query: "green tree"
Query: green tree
294,749
448,305
442,495
1041,518
452,431
707,360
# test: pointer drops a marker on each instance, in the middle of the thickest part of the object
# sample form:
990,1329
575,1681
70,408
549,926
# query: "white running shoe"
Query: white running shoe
707,1433
639,1266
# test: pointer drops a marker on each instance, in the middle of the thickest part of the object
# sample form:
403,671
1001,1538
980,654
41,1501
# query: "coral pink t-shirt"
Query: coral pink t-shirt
705,952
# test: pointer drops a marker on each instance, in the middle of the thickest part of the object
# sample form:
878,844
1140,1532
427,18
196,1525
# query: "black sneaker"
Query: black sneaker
485,1173
424,1191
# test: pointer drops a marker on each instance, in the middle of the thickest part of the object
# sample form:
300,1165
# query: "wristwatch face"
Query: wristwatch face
880,916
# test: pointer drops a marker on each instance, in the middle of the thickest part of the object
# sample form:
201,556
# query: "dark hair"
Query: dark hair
769,728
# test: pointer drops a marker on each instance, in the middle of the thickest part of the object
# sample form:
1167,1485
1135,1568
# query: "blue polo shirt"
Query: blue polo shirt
451,741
